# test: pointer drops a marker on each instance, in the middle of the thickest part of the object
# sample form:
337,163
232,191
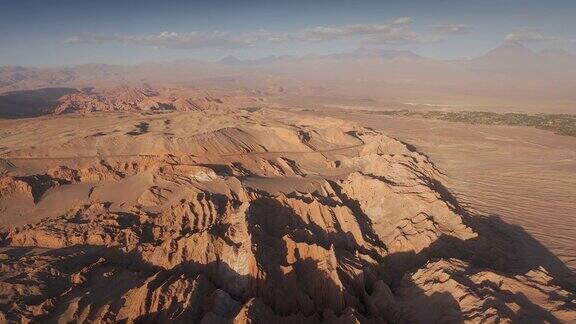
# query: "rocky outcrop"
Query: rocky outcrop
288,227
145,98
453,291
10,186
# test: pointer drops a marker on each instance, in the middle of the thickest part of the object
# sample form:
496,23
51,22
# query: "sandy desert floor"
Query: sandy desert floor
524,175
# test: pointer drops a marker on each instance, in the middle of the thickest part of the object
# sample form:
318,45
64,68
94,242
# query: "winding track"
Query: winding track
50,158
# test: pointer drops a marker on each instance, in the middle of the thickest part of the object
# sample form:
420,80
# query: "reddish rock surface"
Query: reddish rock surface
249,217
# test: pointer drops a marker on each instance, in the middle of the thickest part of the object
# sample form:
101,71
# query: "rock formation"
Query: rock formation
145,98
248,217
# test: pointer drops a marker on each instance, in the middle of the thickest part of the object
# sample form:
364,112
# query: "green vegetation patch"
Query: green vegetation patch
562,124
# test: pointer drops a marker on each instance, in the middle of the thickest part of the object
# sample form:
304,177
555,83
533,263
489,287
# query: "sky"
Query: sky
63,32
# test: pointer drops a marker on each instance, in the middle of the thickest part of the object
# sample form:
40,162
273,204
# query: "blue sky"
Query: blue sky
46,33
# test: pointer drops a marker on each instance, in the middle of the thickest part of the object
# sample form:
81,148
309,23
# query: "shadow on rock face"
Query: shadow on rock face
501,258
251,256
39,184
31,103
447,282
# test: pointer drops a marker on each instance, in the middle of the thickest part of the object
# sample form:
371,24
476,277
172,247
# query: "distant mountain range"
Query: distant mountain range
510,73
362,52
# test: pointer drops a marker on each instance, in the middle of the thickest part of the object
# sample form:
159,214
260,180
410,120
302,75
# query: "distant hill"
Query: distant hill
510,74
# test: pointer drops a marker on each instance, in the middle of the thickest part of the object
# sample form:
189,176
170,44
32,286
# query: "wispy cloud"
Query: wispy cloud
395,32
190,40
451,28
402,21
534,36
386,33
401,36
